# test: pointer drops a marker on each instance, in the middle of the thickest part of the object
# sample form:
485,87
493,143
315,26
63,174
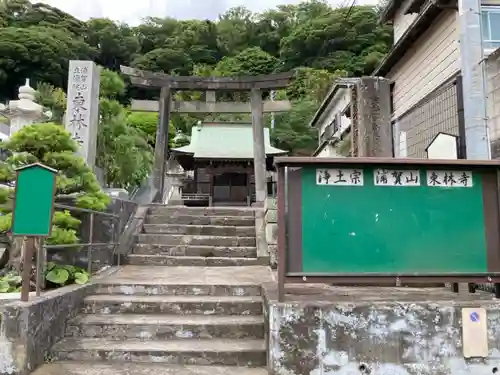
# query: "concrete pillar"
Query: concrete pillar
259,152
473,79
161,145
374,135
82,114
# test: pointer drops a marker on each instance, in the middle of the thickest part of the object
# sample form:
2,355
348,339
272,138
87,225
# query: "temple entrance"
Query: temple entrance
230,188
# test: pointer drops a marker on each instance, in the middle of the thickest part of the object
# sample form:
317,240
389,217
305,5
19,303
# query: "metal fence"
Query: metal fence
99,235
439,112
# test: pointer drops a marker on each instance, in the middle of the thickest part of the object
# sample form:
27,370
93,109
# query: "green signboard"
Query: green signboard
34,201
392,218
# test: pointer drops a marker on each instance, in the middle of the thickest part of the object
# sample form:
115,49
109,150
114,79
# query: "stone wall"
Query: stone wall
376,332
271,218
29,329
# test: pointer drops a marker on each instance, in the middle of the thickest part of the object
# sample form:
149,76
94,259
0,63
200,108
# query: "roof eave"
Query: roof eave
419,26
339,84
388,12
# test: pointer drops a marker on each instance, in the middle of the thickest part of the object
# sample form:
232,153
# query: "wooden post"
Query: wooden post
161,146
259,152
29,250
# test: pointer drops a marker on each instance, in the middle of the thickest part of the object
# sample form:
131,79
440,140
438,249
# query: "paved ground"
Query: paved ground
160,275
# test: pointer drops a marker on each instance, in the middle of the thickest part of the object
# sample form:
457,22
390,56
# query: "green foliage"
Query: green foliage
10,283
123,153
41,53
292,131
251,61
319,41
61,275
123,150
55,276
115,43
51,145
53,99
146,123
112,85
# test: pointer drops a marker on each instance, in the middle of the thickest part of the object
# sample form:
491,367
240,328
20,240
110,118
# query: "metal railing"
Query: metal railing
92,240
90,233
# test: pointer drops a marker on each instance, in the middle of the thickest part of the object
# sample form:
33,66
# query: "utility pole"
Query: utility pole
473,79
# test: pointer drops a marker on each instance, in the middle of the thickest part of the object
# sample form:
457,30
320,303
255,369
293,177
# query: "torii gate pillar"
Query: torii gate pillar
259,152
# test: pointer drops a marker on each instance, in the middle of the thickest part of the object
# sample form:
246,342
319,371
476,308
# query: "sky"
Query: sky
132,11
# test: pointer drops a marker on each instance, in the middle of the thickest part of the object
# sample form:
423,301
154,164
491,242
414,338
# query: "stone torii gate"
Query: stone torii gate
257,107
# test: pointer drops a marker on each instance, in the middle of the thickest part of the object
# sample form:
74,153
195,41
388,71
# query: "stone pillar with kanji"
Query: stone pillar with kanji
82,114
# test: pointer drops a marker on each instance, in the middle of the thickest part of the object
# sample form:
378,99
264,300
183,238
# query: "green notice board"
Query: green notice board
34,201
395,219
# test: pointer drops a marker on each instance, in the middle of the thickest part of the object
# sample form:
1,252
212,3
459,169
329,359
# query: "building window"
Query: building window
491,27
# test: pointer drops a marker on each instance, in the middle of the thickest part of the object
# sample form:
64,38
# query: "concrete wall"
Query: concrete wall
433,59
493,101
364,333
271,218
329,151
29,329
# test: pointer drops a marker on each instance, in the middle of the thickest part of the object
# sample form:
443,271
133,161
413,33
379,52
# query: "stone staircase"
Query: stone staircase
197,237
192,317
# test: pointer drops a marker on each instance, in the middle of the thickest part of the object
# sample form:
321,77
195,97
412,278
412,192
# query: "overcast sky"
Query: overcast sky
131,11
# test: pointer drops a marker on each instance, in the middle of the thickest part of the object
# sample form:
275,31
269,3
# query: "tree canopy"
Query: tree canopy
318,41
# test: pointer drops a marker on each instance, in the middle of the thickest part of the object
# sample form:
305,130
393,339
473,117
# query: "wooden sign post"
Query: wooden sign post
33,211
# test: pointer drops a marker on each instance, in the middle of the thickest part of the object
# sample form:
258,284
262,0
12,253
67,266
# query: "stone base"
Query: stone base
322,329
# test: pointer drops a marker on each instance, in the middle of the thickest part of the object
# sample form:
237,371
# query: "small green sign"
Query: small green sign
34,201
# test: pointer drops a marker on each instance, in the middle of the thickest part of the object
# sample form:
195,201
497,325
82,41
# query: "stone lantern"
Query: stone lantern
24,111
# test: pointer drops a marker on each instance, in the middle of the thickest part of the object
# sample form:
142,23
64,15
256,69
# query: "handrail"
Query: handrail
79,209
41,258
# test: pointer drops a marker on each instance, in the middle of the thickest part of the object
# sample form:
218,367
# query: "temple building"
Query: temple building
220,158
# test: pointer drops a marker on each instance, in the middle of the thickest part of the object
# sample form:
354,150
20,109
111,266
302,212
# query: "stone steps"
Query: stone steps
247,352
142,289
175,310
131,368
178,305
173,211
211,230
196,250
179,239
186,219
165,260
165,327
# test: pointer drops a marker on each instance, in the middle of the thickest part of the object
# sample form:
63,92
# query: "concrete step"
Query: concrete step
179,239
130,289
196,250
178,305
247,352
201,211
201,220
130,368
210,230
165,327
165,260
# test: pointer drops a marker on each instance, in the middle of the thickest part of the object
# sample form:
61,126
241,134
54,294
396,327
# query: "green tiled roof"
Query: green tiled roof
225,141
